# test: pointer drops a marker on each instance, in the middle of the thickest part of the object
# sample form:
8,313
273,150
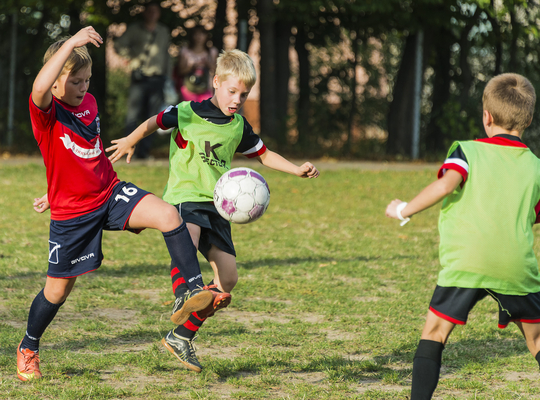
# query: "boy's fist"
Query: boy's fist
308,170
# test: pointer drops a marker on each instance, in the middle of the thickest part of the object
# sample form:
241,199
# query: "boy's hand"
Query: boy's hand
41,204
121,147
307,170
391,209
85,36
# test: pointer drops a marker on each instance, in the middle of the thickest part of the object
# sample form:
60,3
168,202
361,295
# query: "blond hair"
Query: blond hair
77,60
510,99
238,64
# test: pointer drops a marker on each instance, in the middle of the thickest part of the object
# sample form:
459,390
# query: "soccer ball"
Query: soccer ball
241,195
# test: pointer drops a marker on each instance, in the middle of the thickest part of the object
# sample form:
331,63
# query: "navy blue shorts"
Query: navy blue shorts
75,244
454,304
215,230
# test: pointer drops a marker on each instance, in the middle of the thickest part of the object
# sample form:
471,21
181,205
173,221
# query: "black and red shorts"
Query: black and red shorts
454,304
215,230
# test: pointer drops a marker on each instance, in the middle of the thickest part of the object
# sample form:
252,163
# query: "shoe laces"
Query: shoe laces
192,346
30,357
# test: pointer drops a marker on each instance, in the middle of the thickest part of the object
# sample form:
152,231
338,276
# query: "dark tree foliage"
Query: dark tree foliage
351,72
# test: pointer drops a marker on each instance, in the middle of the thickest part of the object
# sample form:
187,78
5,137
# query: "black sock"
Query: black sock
190,328
179,284
192,325
184,255
426,369
537,356
41,314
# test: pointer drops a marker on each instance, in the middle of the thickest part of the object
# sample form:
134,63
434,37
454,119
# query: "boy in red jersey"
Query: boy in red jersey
85,194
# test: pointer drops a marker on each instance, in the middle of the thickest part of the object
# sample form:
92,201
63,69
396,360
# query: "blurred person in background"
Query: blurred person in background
196,66
146,44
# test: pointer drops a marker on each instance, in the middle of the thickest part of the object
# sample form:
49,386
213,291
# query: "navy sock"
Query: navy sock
41,314
184,255
537,356
179,284
426,369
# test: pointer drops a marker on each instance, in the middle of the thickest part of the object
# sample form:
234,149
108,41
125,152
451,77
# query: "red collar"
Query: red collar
503,140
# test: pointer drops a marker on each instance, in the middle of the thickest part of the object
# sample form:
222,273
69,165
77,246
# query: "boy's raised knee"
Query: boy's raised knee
170,218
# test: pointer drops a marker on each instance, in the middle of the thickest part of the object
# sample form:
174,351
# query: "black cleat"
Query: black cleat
182,349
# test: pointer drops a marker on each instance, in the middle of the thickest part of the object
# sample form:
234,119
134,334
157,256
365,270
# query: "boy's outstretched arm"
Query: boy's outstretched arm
429,196
41,90
126,145
273,160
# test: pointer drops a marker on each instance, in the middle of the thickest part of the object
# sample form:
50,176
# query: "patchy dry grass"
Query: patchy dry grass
330,303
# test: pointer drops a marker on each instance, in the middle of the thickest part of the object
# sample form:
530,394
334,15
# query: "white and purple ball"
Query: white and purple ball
241,195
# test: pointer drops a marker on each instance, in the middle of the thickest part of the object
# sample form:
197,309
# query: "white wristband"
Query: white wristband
399,209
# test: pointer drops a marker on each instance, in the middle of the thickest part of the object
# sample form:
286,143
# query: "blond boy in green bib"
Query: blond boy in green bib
207,135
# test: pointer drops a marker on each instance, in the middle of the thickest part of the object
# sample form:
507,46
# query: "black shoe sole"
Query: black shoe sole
196,303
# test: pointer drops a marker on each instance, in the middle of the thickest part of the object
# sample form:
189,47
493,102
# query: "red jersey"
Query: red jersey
80,177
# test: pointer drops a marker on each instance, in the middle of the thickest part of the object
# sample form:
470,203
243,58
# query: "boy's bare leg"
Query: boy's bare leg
195,233
436,328
531,332
224,266
57,290
427,360
152,212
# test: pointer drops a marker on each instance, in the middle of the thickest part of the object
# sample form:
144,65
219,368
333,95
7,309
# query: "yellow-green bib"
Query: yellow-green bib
486,237
195,169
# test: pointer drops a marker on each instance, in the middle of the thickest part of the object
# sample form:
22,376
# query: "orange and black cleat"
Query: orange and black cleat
219,301
27,364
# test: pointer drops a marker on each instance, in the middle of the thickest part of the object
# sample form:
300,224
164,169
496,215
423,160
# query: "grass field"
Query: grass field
330,303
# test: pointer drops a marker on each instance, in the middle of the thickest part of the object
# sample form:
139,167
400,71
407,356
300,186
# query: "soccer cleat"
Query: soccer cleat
220,300
192,301
182,349
27,364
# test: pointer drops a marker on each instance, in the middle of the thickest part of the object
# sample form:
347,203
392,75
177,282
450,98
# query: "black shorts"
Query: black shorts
454,304
75,244
215,230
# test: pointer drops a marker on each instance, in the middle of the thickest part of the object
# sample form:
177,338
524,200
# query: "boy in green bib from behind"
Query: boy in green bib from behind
491,191
206,137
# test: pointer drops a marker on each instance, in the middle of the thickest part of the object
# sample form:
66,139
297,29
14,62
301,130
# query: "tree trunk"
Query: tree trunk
303,103
465,46
220,23
401,109
283,73
353,86
268,93
441,44
512,62
498,41
243,7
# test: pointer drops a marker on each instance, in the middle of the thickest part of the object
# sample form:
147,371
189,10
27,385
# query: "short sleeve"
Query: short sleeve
456,161
42,121
251,144
168,118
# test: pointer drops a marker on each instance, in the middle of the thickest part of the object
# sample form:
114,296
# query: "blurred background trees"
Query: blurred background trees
336,77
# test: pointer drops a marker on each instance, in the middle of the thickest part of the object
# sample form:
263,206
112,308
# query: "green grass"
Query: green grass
330,303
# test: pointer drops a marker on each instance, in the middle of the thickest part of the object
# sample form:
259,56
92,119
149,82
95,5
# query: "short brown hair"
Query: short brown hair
238,64
510,99
77,60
